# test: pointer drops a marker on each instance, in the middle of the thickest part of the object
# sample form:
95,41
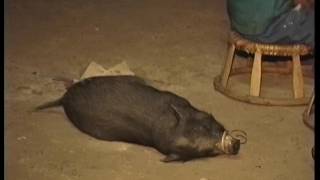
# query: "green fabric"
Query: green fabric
252,17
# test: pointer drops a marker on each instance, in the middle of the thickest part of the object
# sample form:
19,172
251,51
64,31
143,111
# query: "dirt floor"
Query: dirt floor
180,45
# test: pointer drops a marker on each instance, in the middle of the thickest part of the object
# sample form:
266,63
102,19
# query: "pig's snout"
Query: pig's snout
235,146
229,144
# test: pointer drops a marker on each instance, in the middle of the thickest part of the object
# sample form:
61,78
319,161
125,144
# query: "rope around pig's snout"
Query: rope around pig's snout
240,135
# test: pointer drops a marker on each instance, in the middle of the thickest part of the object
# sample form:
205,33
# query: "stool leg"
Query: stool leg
256,75
310,104
297,77
228,66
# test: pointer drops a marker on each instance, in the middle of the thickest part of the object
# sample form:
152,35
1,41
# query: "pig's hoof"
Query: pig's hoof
171,157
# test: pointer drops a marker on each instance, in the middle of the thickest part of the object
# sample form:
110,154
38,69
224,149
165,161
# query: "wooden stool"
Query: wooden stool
236,42
308,118
308,114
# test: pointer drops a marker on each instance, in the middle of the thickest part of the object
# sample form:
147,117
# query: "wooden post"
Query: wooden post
227,66
256,75
297,77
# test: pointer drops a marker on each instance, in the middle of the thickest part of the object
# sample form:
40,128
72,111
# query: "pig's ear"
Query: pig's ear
171,157
177,112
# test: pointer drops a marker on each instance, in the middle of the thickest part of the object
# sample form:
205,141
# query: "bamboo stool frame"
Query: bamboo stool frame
306,117
308,111
236,42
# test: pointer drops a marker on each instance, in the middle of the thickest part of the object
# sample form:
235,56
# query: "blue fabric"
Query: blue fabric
271,21
252,17
290,28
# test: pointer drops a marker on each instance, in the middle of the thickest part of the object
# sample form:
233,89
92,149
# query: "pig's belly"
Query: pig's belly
111,128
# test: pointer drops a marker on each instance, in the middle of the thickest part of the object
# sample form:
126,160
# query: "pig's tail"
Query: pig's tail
239,134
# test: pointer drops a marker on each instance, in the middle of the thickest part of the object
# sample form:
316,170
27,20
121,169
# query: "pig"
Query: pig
127,109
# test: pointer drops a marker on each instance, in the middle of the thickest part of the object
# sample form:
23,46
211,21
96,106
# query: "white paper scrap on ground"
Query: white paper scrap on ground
95,69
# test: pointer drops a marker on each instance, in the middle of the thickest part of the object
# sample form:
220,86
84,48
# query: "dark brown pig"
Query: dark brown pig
125,108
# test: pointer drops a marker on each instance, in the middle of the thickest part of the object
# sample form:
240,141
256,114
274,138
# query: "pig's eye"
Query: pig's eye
200,128
207,128
204,128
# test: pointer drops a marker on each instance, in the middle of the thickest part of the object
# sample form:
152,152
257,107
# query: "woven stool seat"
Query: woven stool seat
268,49
295,51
